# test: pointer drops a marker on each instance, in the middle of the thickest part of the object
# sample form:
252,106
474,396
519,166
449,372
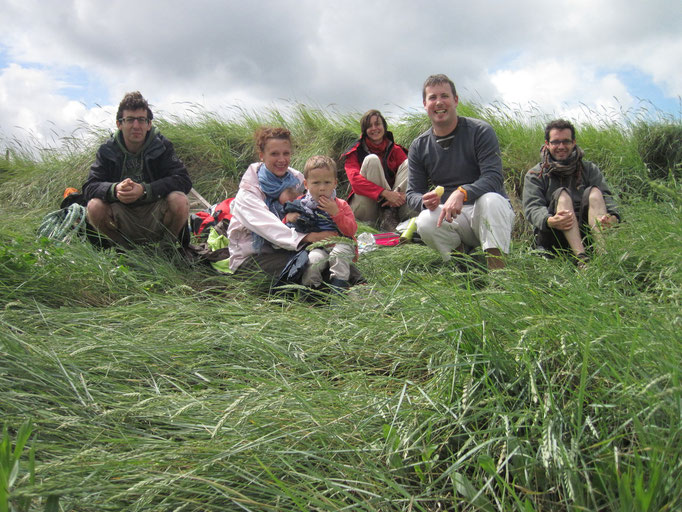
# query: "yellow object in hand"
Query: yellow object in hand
439,190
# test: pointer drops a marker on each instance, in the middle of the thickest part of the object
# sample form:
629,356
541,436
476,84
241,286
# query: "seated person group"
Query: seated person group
136,192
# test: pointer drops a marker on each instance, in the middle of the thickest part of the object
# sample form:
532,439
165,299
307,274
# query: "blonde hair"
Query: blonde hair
319,162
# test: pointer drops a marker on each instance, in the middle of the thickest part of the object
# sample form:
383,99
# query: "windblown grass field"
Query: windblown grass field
144,382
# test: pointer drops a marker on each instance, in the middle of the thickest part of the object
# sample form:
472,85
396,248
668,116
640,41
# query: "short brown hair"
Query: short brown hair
438,80
265,133
367,119
133,101
318,162
559,124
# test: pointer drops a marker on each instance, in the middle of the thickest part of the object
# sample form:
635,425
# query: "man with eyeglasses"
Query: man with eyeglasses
566,198
136,189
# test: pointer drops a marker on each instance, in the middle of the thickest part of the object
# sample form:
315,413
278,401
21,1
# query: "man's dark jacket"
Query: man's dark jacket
163,171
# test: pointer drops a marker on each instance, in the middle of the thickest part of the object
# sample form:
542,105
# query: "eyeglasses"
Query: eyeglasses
131,120
556,143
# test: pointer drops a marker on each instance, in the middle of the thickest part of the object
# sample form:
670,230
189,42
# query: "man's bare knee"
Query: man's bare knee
178,203
98,212
177,213
596,197
565,201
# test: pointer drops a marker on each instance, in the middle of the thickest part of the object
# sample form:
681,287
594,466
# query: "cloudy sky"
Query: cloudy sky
65,64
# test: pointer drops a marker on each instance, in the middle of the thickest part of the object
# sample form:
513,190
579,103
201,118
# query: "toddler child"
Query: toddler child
321,210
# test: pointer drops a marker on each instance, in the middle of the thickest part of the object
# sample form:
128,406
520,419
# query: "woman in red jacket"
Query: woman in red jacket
377,171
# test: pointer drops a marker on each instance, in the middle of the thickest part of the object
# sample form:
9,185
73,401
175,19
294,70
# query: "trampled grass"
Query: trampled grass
155,384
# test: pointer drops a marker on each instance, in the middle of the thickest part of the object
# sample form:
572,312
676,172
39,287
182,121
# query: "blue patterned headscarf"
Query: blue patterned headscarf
272,186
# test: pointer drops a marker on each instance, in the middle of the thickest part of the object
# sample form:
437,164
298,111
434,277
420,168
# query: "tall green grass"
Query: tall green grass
155,384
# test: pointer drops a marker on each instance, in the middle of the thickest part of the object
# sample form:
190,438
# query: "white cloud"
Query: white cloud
561,89
63,59
31,109
661,60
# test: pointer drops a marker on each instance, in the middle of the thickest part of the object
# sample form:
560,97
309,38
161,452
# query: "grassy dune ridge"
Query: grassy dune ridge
153,384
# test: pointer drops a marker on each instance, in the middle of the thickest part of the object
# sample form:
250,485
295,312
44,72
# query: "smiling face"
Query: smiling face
375,130
276,156
135,133
320,182
561,143
441,106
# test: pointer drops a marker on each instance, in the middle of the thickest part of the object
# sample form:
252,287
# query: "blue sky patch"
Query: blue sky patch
641,86
4,59
76,83
79,85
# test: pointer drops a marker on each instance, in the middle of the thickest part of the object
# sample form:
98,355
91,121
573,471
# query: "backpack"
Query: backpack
212,217
64,224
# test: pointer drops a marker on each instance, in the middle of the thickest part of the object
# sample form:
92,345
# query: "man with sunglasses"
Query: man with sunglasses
136,189
566,198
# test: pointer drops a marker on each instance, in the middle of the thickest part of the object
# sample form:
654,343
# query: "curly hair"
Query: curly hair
133,101
265,133
559,124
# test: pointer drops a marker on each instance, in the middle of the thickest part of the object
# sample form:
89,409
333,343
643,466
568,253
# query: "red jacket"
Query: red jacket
394,156
345,221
